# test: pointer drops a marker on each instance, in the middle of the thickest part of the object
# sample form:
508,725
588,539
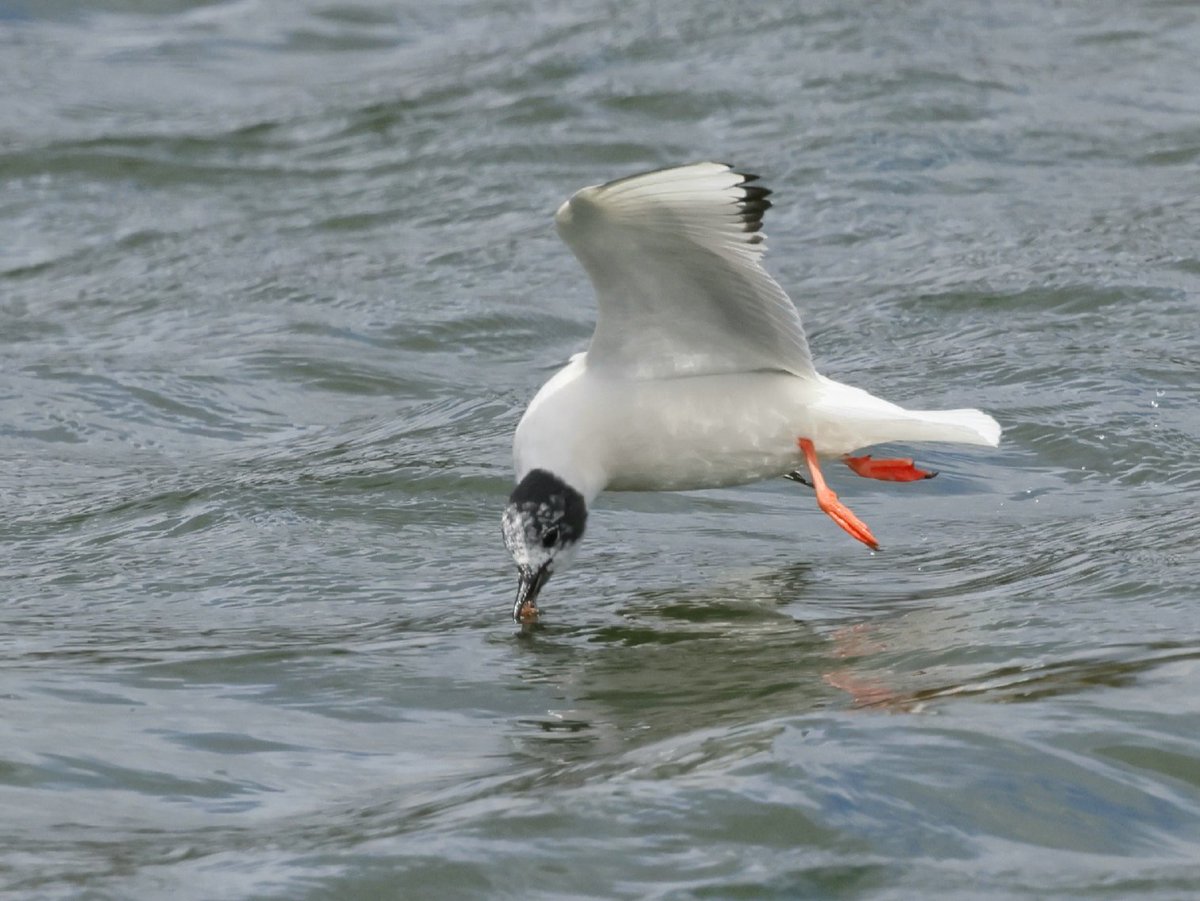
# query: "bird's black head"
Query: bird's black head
542,524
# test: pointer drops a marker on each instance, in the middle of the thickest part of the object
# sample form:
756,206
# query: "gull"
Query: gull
698,374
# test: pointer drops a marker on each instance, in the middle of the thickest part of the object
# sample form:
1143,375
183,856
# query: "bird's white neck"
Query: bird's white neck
557,436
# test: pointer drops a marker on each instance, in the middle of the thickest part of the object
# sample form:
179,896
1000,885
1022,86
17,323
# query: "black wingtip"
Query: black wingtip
752,205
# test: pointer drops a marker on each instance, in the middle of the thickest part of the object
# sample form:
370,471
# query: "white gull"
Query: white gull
698,374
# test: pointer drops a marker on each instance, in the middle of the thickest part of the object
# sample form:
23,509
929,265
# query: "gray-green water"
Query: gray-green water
276,281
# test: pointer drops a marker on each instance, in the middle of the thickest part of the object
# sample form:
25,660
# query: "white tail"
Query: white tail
959,426
847,418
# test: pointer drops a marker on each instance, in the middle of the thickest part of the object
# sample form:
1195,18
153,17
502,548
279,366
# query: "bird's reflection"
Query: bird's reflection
715,659
670,662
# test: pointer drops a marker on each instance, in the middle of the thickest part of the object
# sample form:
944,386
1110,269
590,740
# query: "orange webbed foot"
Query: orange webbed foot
828,501
895,470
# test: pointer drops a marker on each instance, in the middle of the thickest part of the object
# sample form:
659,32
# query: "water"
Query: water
276,281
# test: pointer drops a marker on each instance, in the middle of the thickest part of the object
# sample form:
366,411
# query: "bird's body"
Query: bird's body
603,433
698,374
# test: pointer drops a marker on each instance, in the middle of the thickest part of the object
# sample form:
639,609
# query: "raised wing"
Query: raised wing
675,258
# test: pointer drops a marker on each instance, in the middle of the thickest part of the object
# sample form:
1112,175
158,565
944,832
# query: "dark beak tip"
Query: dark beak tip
528,587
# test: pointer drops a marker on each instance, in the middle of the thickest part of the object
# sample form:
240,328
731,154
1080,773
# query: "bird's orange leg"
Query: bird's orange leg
828,501
897,470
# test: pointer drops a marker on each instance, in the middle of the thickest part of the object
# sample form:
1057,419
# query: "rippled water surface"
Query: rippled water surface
276,281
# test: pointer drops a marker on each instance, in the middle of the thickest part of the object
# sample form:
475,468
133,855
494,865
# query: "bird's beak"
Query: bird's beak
530,583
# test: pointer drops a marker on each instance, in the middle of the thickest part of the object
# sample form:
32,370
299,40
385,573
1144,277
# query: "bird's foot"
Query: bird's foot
895,470
844,517
828,501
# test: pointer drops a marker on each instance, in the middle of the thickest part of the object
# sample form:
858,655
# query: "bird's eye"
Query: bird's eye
550,538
